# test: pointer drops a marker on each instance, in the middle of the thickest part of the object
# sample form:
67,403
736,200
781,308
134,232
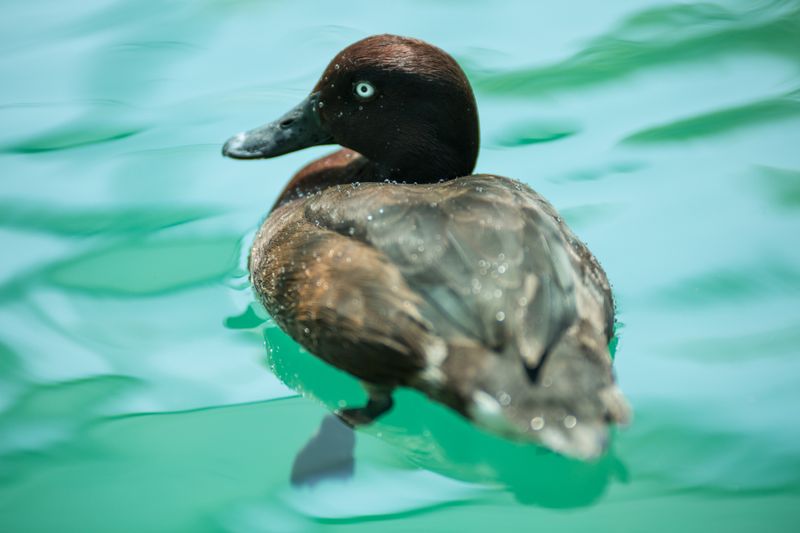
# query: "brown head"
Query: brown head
402,103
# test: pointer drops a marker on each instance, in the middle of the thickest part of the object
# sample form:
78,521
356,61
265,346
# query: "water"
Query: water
141,391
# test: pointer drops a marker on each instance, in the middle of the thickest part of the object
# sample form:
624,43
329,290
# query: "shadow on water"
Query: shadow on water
327,455
433,438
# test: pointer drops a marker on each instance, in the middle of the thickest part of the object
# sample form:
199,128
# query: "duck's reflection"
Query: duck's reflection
431,437
327,455
534,475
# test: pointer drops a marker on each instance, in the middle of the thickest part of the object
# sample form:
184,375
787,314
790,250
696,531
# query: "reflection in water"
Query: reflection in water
431,437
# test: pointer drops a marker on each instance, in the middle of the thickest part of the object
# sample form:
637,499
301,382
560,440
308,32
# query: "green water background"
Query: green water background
138,387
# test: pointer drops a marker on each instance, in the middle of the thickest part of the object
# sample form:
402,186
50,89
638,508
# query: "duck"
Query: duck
391,261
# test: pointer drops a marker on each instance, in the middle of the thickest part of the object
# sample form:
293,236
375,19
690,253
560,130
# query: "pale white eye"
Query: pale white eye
364,90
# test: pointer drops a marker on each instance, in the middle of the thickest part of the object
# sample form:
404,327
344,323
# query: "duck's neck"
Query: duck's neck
425,166
429,151
348,166
343,166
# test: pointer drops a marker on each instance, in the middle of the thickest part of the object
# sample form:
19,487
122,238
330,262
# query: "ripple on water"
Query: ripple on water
149,267
721,121
657,37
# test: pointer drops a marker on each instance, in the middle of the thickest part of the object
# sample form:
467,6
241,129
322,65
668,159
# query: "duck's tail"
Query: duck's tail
568,407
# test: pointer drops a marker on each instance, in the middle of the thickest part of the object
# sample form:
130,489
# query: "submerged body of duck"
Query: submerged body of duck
389,261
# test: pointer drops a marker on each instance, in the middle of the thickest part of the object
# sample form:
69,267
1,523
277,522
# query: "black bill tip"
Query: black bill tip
299,128
236,147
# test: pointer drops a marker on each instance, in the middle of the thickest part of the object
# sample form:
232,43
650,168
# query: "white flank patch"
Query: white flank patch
487,412
435,355
432,375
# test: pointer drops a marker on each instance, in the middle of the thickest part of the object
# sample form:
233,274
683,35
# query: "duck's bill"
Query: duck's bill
297,129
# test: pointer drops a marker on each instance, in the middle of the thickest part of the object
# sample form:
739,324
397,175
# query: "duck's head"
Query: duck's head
402,103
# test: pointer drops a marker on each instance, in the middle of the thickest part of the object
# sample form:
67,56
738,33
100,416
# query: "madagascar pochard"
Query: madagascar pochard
388,260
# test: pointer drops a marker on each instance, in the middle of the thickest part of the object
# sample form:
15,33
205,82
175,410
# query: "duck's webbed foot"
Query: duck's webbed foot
380,401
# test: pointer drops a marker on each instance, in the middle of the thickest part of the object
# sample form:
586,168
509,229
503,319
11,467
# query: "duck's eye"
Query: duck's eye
364,90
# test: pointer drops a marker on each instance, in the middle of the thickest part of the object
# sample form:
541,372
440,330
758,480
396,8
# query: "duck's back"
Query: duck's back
472,290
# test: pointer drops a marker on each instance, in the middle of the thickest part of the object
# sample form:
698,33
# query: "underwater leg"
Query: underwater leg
380,401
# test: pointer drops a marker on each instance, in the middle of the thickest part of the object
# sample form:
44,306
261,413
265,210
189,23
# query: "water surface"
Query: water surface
141,389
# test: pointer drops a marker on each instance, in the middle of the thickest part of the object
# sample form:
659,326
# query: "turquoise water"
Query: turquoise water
142,390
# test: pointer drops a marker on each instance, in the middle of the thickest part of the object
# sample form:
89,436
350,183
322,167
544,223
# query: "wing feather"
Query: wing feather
485,254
